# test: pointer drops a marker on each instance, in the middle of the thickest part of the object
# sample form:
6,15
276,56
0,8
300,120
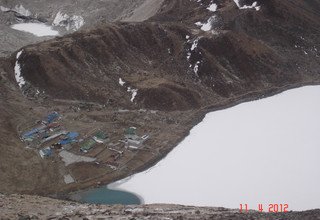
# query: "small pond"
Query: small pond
104,195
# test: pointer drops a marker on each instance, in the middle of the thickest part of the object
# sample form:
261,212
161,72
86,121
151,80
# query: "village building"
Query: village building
101,137
132,140
130,133
45,152
87,145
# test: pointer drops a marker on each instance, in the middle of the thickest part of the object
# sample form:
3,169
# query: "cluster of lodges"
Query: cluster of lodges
42,130
131,140
49,132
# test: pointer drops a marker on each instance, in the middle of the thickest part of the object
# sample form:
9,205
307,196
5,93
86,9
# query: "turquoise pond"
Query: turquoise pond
107,196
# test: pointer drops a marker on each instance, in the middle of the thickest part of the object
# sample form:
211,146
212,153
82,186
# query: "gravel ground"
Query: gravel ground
70,158
35,207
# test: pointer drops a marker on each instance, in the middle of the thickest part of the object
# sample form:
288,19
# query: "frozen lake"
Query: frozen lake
37,29
260,152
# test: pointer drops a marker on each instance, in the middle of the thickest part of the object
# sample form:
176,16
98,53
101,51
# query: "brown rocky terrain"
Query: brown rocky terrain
179,71
35,207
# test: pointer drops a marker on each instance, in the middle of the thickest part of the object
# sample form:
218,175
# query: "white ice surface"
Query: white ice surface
37,29
265,151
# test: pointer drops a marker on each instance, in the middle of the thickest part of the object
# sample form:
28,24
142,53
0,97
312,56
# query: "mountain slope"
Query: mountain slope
244,52
65,16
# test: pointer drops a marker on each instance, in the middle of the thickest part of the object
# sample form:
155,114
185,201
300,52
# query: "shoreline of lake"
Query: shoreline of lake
120,188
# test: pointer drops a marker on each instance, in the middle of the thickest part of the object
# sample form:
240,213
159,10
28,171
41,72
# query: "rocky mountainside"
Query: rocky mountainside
160,70
65,16
176,62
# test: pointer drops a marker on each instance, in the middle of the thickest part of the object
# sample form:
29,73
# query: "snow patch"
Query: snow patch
4,9
254,5
237,3
73,23
78,22
134,93
196,67
21,10
188,55
208,25
18,9
213,7
197,63
121,82
17,71
37,29
195,44
60,19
